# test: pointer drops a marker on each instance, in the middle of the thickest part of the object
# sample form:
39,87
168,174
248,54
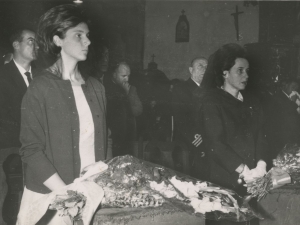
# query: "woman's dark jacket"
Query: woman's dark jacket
233,135
50,129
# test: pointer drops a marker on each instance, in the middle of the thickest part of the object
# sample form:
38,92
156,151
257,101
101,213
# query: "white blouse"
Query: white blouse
86,125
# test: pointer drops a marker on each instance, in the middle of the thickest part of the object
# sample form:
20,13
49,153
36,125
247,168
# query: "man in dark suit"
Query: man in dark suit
15,77
283,119
184,118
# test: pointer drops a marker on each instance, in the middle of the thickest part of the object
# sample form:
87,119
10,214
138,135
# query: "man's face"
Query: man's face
122,74
26,48
198,69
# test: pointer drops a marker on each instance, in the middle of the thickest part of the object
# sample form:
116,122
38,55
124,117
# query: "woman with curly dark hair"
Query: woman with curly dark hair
63,126
232,122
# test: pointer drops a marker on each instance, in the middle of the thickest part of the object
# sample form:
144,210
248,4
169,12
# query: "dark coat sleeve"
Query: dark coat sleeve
33,134
9,126
215,136
12,89
262,146
183,111
283,123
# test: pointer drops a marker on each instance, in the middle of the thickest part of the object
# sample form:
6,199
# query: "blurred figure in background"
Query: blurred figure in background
173,82
283,119
101,61
155,122
123,106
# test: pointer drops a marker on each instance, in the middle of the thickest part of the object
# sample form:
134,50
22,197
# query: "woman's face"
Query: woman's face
236,78
75,44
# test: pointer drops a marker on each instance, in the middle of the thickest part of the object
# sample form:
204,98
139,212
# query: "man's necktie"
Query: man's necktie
28,76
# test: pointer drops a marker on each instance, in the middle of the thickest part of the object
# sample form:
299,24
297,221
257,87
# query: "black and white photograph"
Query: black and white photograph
149,112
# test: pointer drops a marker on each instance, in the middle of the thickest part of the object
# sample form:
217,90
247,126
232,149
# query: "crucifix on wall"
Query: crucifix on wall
236,21
153,56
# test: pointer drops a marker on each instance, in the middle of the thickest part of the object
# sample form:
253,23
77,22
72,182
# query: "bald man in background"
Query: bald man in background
123,106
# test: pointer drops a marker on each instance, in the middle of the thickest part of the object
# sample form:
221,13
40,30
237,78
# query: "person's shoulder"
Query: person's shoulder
45,75
43,80
213,95
251,96
182,85
36,71
279,96
93,80
112,88
2,72
7,71
7,68
96,82
107,81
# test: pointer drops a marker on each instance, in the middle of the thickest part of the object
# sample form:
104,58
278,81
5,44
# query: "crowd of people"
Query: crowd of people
59,119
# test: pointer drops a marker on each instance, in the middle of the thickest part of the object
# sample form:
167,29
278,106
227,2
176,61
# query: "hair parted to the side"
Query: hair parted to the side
196,59
56,21
222,60
225,59
17,34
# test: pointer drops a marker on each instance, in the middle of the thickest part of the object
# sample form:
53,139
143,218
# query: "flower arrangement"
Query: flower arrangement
71,204
286,170
260,187
130,182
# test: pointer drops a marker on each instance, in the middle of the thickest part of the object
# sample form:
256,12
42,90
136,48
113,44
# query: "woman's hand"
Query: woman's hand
260,169
250,175
246,174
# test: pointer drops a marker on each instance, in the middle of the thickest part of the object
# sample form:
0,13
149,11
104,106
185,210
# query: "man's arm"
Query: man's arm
9,127
184,117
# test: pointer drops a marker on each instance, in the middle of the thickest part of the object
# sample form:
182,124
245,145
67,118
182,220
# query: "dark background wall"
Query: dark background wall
276,55
211,25
278,21
119,25
134,30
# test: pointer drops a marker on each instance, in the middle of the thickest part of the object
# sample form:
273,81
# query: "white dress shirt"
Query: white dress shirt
195,82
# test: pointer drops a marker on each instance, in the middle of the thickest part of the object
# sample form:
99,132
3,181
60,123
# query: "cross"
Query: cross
153,57
236,21
182,12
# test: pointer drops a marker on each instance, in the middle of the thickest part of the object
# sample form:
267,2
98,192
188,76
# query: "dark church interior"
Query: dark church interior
158,41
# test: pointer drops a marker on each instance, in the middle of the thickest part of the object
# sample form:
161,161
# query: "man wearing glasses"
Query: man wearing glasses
15,77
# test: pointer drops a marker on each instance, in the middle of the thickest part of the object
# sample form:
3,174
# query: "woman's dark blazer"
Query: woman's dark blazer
233,135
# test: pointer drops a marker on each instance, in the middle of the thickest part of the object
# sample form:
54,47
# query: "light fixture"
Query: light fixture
78,1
